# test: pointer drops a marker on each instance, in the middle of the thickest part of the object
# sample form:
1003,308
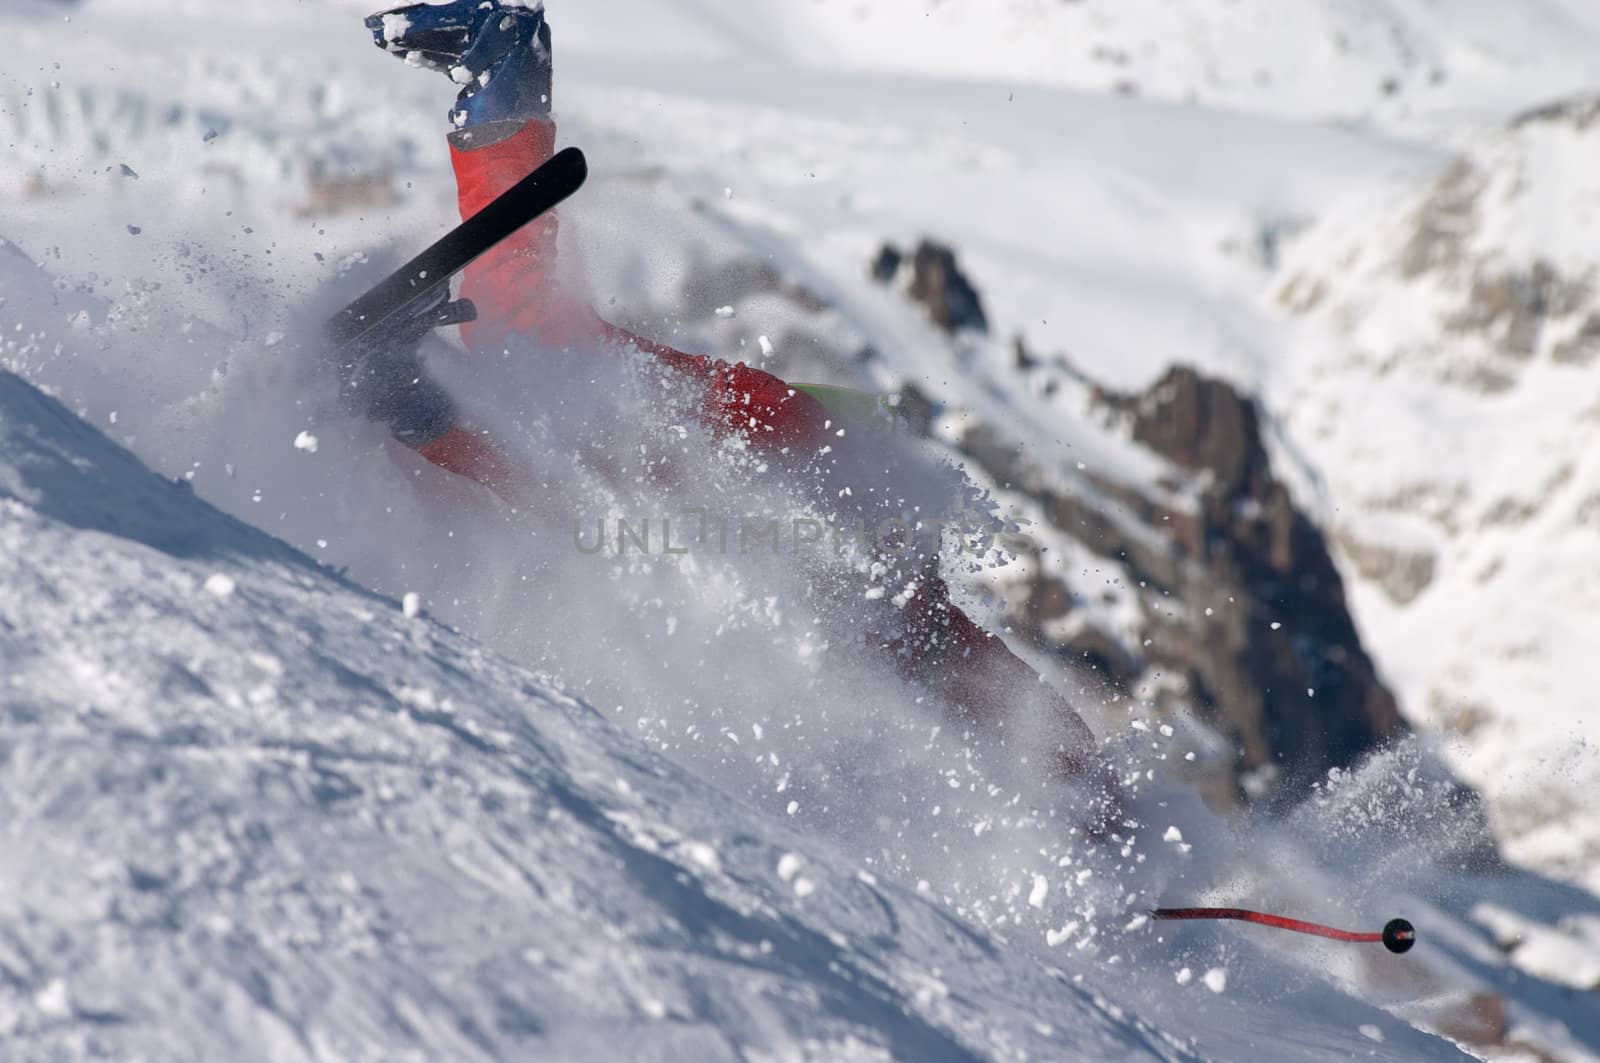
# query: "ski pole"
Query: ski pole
1397,935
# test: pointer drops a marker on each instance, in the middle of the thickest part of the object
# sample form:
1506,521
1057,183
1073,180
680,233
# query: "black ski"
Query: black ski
374,342
406,296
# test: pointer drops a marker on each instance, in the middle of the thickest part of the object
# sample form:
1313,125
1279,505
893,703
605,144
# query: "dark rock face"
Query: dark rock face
1295,699
887,264
1200,424
1301,697
937,283
1238,596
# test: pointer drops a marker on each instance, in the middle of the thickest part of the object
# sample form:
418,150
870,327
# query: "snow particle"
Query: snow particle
765,345
53,1001
1216,979
1173,835
703,855
211,134
1062,936
220,585
1371,1032
395,27
794,806
1041,889
804,887
411,605
306,441
127,171
1277,626
725,311
789,865
1184,976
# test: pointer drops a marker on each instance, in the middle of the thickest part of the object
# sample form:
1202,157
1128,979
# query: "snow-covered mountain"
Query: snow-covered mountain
1460,315
1389,60
1121,183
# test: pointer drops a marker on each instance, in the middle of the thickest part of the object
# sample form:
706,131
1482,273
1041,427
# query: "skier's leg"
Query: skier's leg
517,287
982,683
503,54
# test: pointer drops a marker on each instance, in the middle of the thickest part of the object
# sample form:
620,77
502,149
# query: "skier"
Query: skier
500,52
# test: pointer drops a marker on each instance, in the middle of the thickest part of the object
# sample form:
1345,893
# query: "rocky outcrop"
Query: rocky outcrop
1278,662
937,283
1243,613
1240,597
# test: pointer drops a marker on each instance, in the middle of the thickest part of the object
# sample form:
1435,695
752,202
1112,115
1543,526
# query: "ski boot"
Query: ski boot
498,51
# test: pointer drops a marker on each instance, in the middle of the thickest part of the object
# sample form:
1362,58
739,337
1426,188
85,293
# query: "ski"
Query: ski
374,343
400,306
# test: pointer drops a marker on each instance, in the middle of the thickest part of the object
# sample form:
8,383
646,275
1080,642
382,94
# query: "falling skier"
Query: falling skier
500,51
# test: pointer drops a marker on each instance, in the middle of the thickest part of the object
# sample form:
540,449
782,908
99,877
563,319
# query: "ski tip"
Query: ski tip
574,160
1399,936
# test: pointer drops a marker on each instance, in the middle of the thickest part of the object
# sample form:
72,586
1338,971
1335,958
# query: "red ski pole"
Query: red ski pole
1397,935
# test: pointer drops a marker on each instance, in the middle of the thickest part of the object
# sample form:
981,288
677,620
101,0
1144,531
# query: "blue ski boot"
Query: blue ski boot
498,51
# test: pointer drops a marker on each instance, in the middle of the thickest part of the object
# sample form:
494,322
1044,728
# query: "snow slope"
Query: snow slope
251,811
